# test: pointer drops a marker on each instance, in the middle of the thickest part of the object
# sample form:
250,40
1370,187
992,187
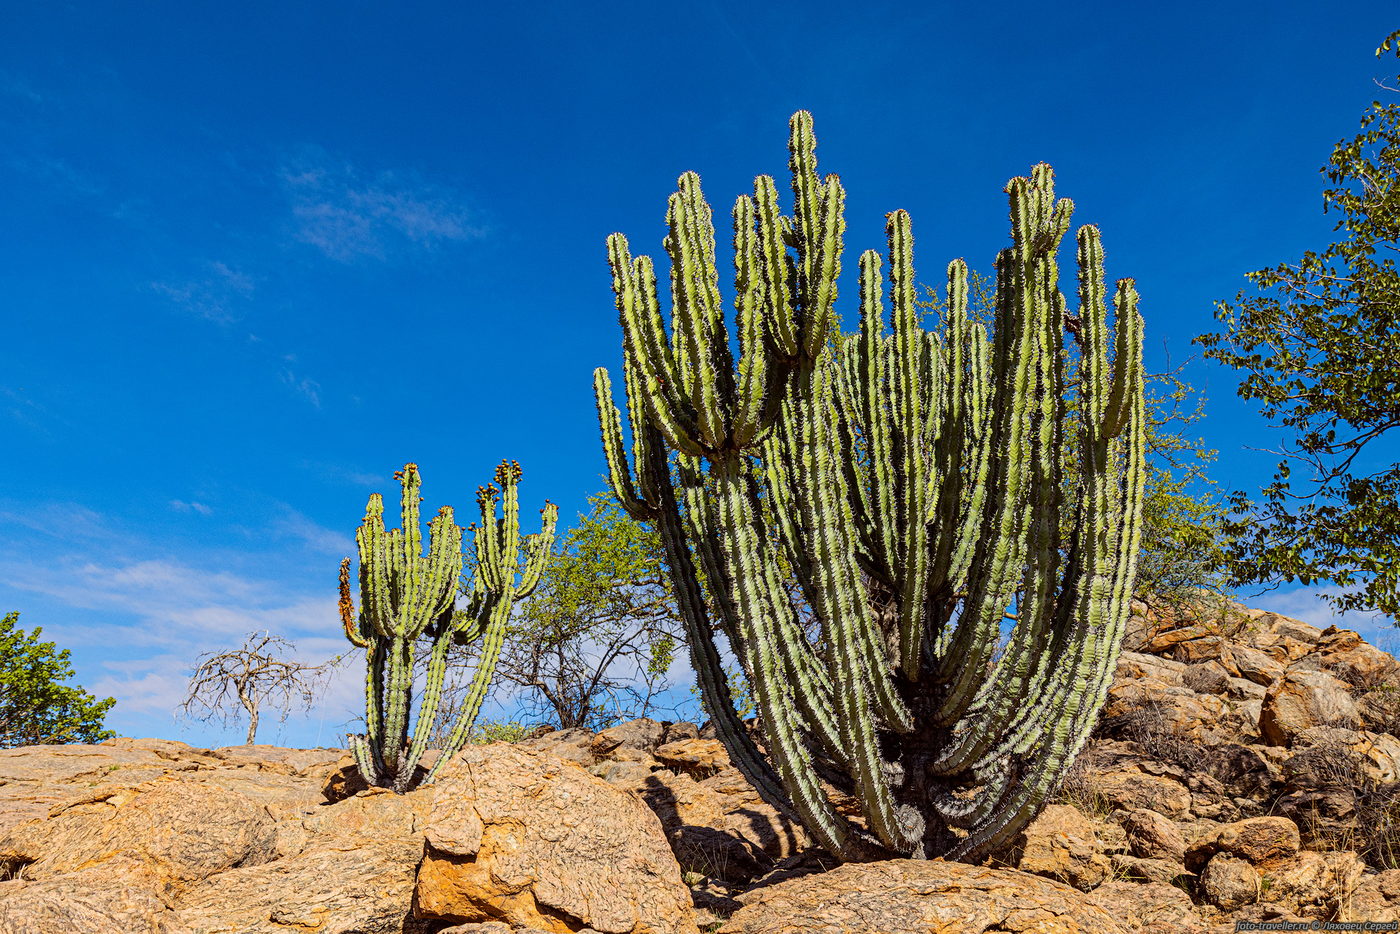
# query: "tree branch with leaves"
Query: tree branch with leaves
1318,341
35,706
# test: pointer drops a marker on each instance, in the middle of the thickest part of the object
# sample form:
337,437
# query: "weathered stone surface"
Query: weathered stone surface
498,927
1343,654
281,760
1139,869
1133,665
917,897
1169,639
1151,908
643,734
337,886
1243,771
183,831
1153,836
1256,666
1208,677
241,841
1315,885
1377,897
1379,708
1133,788
574,745
1207,648
1166,710
527,839
84,760
92,901
1303,699
675,732
1060,844
36,779
726,836
1286,627
1256,840
1331,755
698,758
1228,882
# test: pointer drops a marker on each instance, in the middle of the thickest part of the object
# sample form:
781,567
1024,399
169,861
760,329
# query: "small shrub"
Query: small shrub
494,731
1379,704
1154,733
1077,791
1372,826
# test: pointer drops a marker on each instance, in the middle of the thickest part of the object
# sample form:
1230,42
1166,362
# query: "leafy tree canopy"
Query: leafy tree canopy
35,707
1319,343
592,645
598,636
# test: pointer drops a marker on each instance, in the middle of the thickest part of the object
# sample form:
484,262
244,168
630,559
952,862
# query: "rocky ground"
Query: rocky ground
1246,768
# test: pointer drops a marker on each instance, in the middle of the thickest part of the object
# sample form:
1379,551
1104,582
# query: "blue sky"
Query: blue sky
255,262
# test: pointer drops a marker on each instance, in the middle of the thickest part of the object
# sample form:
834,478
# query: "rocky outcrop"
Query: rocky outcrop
1060,844
716,823
1246,768
535,841
915,897
354,870
1301,699
248,841
1261,815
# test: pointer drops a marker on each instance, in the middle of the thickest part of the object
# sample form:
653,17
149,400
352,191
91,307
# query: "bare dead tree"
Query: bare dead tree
252,675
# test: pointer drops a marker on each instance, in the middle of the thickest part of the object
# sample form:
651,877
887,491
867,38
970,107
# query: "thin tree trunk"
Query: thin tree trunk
250,705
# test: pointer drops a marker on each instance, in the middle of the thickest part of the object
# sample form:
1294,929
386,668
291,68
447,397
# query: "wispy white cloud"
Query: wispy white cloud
167,612
173,604
67,522
180,505
315,536
215,294
146,686
304,386
348,214
155,687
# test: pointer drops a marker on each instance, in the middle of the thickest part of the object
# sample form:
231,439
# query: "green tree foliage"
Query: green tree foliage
1183,516
35,707
486,732
738,687
596,639
1319,343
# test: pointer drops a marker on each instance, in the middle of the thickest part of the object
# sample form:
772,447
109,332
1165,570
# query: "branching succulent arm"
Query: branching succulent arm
406,596
914,483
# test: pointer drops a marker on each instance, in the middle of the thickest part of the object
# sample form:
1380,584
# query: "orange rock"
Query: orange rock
1303,699
531,840
916,897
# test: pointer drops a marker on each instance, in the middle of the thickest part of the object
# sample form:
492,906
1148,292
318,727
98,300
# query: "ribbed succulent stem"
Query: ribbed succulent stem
406,596
915,489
